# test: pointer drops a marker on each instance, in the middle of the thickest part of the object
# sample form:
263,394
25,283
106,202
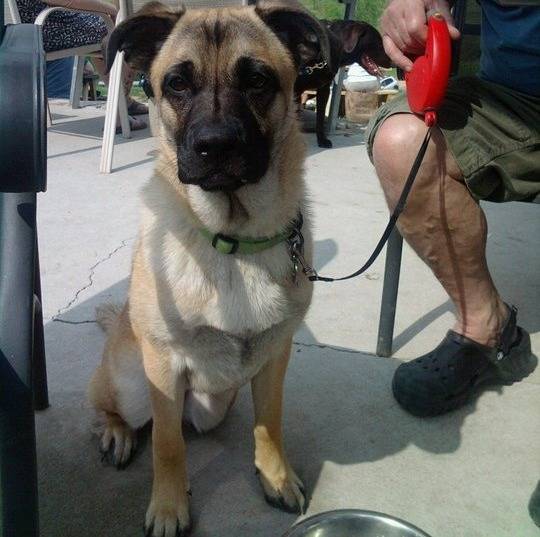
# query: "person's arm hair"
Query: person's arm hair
98,6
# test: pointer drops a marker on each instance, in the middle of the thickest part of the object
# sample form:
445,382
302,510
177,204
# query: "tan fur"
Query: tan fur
107,315
277,477
192,312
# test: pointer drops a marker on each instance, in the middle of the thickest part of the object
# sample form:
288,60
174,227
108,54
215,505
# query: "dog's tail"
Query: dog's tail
107,315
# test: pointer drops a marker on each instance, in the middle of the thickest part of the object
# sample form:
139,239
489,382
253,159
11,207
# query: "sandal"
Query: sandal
136,108
135,124
445,378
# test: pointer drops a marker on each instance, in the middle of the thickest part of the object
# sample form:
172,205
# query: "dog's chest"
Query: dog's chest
213,361
231,294
227,320
222,316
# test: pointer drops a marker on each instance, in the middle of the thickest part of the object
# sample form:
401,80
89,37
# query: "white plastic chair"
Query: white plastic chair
79,53
127,8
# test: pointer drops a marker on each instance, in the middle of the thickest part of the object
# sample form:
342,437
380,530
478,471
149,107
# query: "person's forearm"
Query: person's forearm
98,6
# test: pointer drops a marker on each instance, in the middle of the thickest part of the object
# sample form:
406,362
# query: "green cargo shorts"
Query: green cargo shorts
493,133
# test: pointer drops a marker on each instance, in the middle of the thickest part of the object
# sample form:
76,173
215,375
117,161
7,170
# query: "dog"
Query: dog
214,296
350,42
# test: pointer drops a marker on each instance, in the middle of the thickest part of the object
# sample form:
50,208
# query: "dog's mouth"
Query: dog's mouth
369,64
216,180
220,182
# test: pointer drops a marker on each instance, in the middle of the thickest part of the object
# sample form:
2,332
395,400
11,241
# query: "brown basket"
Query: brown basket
360,106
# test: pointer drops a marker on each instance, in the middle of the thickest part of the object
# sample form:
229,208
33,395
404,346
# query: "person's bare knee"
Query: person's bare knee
395,147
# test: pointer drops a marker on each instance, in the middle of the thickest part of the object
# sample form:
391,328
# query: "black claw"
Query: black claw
108,458
183,532
107,455
279,503
122,465
179,531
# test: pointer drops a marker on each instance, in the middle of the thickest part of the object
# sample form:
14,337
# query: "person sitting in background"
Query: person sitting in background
486,147
71,29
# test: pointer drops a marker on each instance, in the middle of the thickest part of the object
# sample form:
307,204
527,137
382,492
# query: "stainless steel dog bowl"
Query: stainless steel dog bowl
354,523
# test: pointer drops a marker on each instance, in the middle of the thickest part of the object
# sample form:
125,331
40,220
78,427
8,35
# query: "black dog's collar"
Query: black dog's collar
308,69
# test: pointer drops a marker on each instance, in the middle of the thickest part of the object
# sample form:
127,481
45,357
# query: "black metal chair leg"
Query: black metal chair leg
39,368
19,503
389,295
19,500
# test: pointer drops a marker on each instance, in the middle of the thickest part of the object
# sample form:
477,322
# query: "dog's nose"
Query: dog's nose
212,141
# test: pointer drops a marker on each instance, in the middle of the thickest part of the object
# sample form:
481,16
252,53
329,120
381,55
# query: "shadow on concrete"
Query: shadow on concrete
133,164
92,127
57,117
420,324
74,152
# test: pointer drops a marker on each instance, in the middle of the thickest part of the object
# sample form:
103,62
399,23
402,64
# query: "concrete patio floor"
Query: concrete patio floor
467,474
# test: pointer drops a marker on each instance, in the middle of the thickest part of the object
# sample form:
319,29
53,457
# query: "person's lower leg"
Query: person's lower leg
443,224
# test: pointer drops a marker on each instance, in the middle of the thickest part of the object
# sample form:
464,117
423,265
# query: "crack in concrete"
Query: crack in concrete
88,285
65,321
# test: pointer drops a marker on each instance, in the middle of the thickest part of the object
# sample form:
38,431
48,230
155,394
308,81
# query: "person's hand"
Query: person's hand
404,28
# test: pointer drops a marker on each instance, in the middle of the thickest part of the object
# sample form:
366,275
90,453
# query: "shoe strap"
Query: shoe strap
507,334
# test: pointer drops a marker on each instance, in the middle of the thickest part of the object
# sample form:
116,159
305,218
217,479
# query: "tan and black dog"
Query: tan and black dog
212,303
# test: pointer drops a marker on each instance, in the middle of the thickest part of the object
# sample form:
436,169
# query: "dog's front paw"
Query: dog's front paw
118,443
325,143
284,490
163,519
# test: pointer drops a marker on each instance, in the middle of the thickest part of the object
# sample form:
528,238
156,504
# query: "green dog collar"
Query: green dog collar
226,244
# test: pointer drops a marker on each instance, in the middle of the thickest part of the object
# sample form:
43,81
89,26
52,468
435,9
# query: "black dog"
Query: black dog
350,42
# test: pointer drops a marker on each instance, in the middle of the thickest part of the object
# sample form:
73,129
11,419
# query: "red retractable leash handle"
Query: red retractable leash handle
426,88
428,80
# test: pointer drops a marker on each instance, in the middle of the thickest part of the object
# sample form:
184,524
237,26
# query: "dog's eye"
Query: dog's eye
256,81
177,83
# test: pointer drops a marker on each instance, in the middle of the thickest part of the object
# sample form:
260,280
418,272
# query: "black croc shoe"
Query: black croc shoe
445,378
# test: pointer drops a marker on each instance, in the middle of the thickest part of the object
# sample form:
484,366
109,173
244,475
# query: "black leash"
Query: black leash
314,277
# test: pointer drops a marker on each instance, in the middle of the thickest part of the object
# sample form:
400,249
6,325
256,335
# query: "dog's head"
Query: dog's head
364,43
223,82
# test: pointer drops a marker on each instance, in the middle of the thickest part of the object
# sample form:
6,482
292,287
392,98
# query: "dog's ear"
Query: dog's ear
297,29
142,35
350,34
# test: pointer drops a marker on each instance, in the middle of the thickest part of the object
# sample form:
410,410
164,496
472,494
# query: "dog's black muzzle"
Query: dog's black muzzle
222,153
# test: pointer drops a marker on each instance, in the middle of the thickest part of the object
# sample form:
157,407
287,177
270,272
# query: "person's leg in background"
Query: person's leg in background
447,228
442,222
135,108
59,73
